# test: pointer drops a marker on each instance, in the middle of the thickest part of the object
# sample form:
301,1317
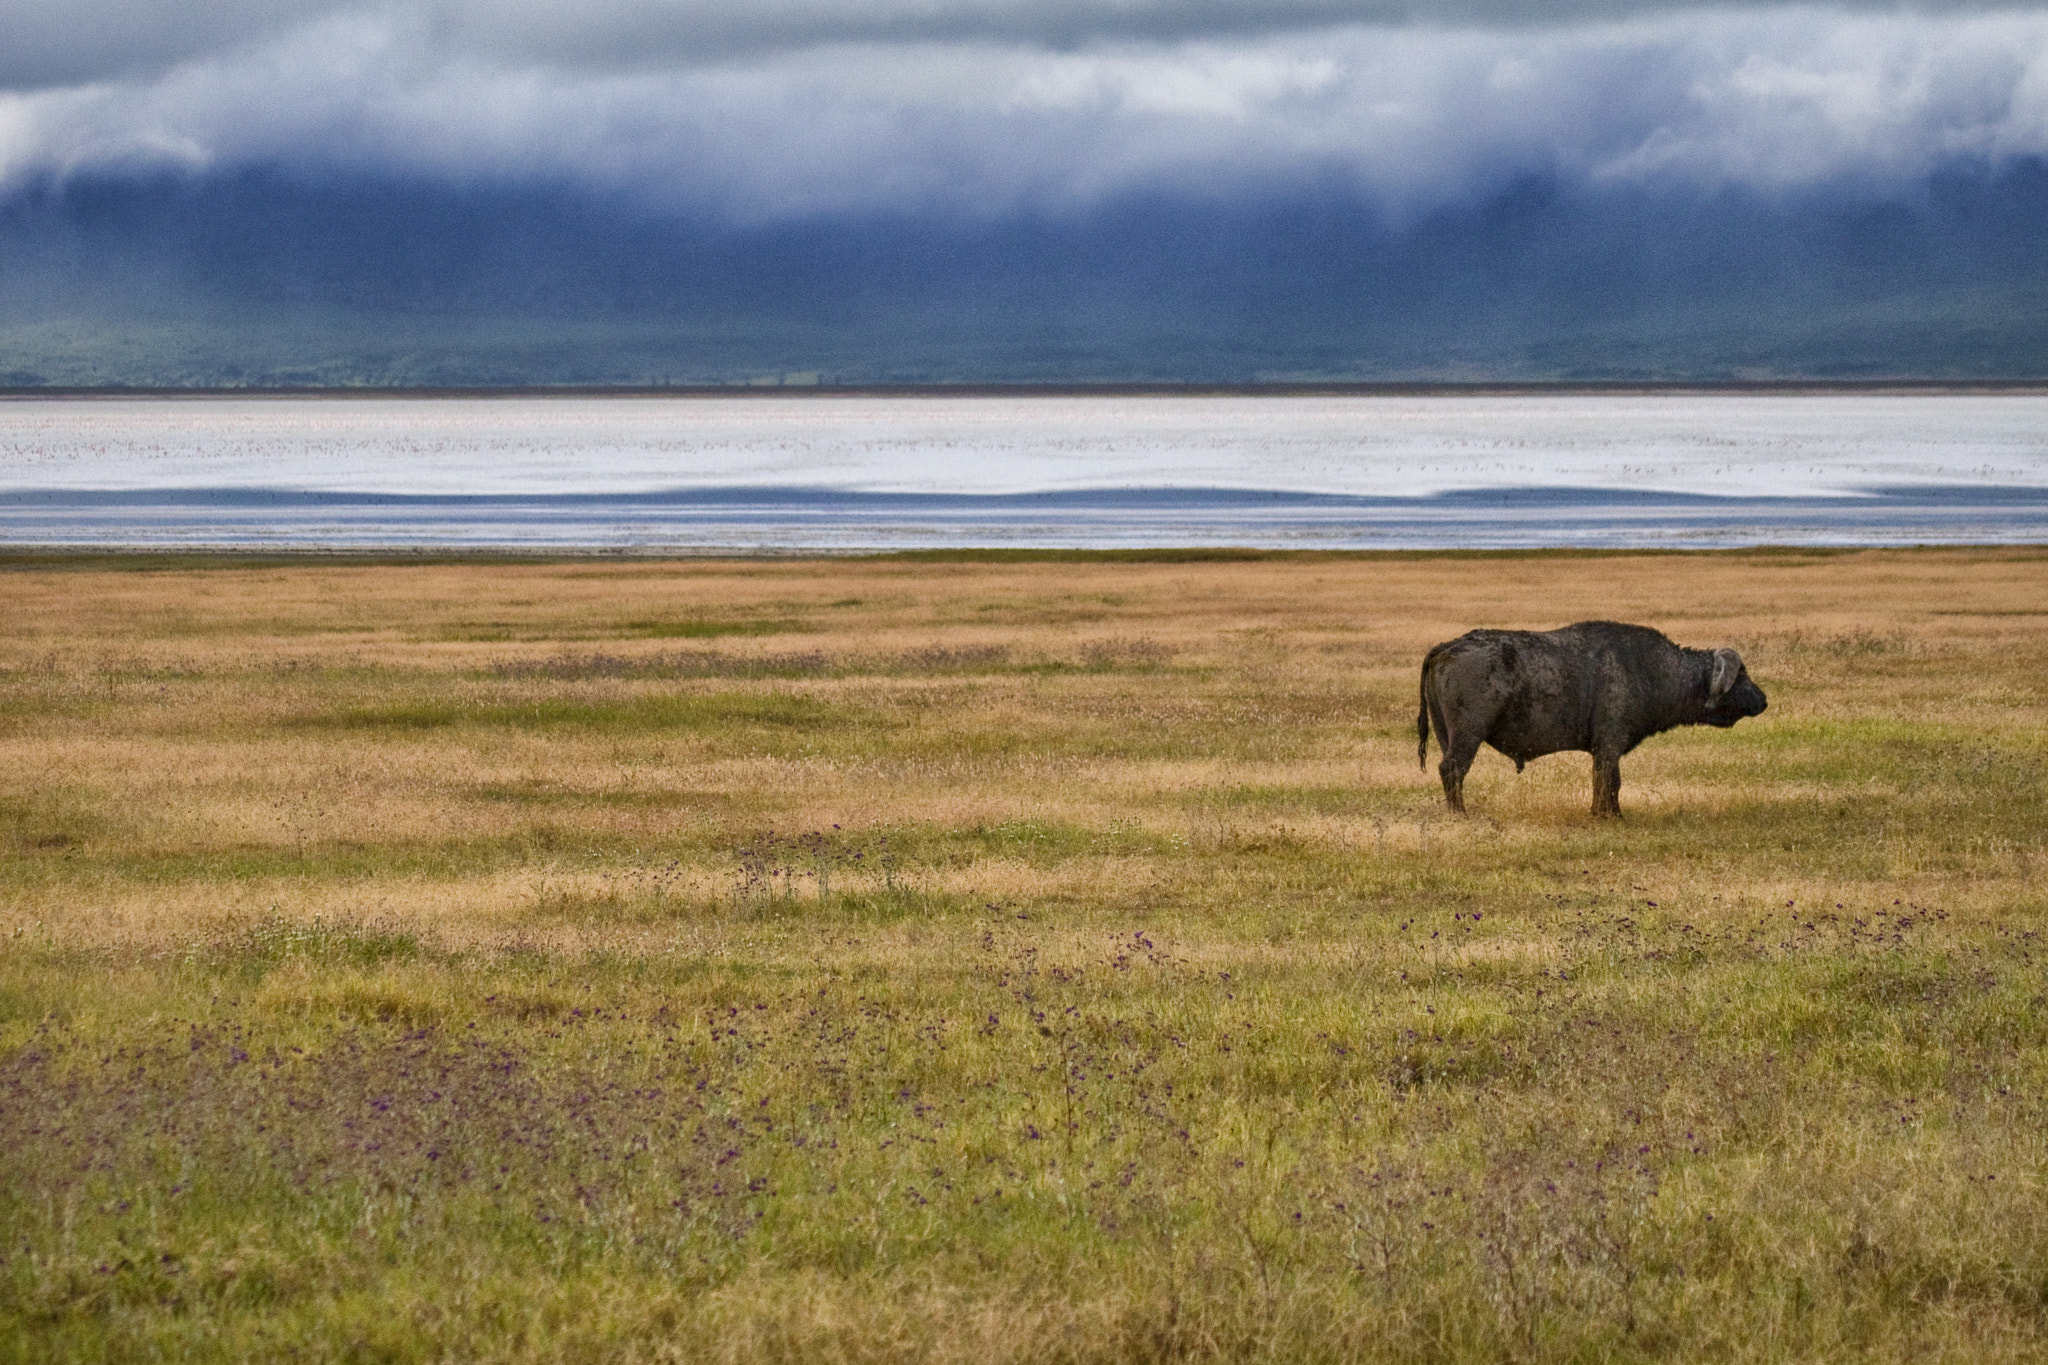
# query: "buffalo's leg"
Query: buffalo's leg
1458,756
1607,784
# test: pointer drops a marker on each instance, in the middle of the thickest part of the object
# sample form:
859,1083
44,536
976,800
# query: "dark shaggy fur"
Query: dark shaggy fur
1598,687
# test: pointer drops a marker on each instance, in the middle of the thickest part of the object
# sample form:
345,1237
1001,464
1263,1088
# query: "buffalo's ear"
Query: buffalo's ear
1727,668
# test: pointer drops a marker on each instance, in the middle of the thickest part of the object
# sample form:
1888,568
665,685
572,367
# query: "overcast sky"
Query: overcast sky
753,113
48,43
774,107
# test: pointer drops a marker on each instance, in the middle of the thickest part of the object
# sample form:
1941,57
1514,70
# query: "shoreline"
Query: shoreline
1248,389
23,558
784,521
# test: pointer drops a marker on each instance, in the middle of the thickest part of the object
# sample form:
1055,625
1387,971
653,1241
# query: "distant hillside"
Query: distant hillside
259,279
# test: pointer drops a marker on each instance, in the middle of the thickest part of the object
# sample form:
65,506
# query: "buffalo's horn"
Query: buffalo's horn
1727,668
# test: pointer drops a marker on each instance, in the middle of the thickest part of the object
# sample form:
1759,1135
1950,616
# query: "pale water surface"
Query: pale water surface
853,472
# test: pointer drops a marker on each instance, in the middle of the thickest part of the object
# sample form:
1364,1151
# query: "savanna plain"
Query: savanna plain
1008,959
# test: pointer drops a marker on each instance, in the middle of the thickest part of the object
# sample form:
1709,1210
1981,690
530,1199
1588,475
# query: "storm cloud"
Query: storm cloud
1413,117
1297,154
92,40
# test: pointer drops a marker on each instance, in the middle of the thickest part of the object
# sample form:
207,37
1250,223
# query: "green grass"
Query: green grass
1751,1143
942,994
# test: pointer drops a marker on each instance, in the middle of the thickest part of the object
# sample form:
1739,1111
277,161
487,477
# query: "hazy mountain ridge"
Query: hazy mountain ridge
263,277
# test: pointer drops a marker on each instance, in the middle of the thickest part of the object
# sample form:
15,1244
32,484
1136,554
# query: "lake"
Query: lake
786,472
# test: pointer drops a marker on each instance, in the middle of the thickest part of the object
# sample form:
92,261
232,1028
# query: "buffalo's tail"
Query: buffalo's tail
1432,711
1422,725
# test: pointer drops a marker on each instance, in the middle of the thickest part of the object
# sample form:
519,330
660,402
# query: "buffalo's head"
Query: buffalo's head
1730,694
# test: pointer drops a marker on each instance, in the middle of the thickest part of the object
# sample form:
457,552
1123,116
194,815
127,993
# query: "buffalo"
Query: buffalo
1598,687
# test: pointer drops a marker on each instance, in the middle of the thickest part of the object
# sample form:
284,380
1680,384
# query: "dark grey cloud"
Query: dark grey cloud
988,188
45,44
639,33
48,44
1408,118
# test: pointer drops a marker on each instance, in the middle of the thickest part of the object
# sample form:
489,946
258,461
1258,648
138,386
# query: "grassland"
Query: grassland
940,960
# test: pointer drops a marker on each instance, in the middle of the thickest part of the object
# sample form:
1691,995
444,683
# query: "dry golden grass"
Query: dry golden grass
1073,949
306,712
